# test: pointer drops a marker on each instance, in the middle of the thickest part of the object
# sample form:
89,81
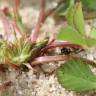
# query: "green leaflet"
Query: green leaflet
75,18
70,34
74,32
76,75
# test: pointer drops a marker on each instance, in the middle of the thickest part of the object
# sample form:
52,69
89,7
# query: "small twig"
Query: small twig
47,59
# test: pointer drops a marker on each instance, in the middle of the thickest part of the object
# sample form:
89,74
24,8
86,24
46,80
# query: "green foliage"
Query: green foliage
64,7
68,4
75,18
23,51
76,75
90,4
19,51
74,32
70,34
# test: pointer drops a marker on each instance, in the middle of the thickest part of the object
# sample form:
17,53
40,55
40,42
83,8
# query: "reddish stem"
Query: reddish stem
42,17
5,22
36,31
16,15
60,44
17,5
47,59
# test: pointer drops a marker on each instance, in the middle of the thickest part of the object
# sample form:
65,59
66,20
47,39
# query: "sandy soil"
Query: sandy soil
36,82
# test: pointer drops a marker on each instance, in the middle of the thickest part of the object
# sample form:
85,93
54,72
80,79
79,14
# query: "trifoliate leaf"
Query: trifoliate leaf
74,32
